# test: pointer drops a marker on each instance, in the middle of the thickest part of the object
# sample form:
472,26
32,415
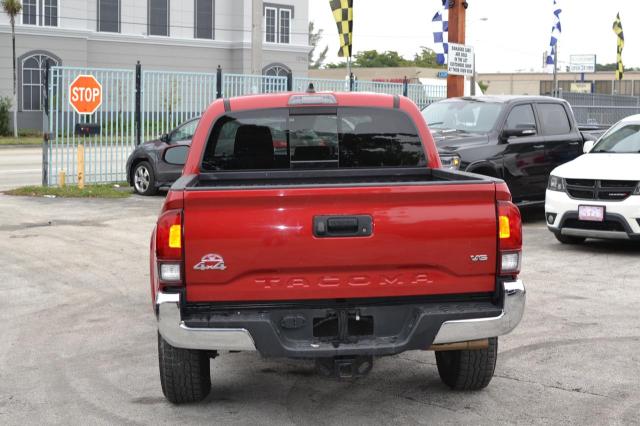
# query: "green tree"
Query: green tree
612,67
12,8
373,59
332,65
314,40
426,58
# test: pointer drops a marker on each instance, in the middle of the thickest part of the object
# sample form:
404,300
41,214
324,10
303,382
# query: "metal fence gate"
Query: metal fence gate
139,105
105,152
170,98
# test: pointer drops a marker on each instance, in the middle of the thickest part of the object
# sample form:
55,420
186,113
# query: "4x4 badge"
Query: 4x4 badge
211,261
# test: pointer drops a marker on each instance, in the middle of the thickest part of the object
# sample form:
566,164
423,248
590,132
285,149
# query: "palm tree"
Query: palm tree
12,8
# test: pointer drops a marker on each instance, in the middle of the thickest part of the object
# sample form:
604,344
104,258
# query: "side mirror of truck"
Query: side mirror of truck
588,146
520,131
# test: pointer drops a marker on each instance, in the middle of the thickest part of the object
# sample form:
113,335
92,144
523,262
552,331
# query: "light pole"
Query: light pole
473,77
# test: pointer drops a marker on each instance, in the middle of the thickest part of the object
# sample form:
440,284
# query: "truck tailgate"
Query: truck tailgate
259,244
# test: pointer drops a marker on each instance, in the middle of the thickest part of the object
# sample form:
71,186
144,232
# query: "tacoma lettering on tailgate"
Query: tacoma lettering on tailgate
350,281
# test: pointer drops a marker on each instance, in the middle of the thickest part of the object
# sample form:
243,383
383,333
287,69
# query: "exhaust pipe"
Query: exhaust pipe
471,345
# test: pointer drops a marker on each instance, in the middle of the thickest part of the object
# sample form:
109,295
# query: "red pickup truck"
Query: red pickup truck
321,226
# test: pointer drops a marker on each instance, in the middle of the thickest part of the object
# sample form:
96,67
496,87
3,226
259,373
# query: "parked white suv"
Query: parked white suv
597,195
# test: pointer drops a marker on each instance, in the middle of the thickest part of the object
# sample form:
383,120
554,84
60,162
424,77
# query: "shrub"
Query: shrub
5,106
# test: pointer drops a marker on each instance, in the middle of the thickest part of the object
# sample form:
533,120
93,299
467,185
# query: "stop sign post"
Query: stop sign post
85,94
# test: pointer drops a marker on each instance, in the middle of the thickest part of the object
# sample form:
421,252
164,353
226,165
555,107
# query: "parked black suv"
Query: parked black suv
517,138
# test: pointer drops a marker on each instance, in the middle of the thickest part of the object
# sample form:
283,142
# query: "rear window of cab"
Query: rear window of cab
312,138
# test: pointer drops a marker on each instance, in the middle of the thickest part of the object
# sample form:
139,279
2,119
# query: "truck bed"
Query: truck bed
328,178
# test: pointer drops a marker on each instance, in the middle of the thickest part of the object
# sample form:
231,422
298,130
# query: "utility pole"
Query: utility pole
457,20
555,70
256,37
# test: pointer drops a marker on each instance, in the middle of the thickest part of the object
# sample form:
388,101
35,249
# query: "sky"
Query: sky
507,35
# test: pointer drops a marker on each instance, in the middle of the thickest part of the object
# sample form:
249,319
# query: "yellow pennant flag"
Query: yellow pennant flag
617,28
343,14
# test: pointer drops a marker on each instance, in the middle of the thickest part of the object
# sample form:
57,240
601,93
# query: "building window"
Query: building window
270,24
109,16
158,17
277,23
284,26
276,70
50,13
40,12
33,75
29,12
204,18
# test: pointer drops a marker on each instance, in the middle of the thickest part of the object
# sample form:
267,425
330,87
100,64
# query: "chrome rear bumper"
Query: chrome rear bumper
481,328
176,333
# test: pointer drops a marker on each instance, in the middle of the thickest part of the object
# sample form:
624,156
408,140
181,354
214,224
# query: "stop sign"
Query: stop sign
85,94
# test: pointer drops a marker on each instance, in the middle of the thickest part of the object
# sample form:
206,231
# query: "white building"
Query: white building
182,35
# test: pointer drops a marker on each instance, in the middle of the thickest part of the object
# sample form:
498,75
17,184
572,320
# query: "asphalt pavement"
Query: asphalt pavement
78,341
20,166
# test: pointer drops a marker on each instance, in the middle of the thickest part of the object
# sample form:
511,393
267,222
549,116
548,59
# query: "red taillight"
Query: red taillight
509,238
169,236
169,248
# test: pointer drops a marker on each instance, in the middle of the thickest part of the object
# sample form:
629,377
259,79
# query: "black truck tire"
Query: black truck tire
568,239
184,373
468,369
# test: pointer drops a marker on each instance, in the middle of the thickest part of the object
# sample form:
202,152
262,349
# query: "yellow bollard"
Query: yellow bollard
62,178
81,166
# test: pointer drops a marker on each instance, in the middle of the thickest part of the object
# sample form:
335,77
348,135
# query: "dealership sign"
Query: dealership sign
582,63
85,94
460,59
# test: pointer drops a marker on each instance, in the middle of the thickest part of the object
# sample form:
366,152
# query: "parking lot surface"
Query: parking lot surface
78,341
20,166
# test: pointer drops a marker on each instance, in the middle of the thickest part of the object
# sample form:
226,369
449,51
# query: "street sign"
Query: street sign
582,63
85,94
460,59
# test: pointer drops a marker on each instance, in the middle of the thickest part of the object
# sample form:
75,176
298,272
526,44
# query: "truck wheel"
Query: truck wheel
468,369
144,180
568,239
184,373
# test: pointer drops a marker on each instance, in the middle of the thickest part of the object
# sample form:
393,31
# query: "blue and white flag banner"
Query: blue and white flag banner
556,30
441,33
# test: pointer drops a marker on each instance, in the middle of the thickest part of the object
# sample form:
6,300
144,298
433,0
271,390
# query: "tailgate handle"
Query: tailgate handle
342,226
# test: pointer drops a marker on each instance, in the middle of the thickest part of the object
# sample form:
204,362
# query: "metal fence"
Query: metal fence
301,84
602,110
243,84
170,98
106,152
139,105
421,94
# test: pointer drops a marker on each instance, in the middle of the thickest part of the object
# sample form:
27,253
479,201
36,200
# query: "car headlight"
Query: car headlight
556,183
450,161
637,190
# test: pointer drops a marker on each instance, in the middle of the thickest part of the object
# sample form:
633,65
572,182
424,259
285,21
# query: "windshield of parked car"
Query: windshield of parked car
463,115
622,140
